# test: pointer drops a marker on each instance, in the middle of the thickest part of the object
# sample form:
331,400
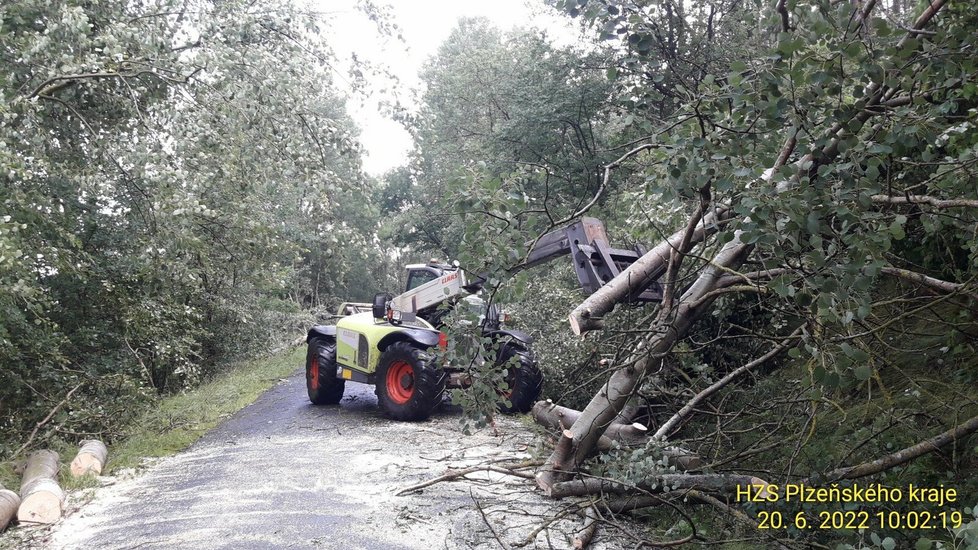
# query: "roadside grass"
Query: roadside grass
178,421
170,425
173,423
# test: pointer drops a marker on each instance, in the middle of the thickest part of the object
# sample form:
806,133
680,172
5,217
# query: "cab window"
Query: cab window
418,277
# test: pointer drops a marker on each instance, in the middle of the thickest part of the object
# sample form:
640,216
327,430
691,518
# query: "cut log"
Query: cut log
41,496
547,414
90,458
584,537
9,502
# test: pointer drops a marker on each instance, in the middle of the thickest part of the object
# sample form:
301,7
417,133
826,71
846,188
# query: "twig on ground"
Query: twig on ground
457,474
485,520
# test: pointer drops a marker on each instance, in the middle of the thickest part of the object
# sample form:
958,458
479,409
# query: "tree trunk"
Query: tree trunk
560,418
9,502
41,495
90,458
587,315
554,416
647,358
659,484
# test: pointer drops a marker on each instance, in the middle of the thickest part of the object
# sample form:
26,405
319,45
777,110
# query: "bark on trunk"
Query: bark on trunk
90,458
554,416
560,418
41,495
610,400
584,537
587,315
903,456
9,502
659,484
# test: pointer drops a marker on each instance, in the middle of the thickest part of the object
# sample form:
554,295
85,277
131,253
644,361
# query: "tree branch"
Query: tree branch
47,419
926,199
921,279
904,455
683,414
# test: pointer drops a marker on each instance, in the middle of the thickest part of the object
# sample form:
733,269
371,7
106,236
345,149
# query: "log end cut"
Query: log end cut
85,464
90,459
41,507
9,503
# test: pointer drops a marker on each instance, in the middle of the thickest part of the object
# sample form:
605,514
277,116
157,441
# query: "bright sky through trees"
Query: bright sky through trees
424,24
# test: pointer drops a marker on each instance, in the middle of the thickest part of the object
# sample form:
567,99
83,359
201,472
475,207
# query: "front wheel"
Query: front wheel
523,378
323,386
408,386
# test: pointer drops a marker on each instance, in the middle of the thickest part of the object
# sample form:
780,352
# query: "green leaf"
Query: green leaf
896,230
863,372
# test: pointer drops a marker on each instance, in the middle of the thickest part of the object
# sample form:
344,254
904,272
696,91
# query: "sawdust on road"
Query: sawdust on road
282,473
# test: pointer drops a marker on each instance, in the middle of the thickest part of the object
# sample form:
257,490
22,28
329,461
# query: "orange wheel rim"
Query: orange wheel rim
314,373
510,383
400,382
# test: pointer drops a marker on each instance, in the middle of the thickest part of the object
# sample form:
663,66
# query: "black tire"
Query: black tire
524,379
323,386
409,387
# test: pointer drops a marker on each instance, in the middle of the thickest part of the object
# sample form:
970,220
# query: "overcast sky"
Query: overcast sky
424,25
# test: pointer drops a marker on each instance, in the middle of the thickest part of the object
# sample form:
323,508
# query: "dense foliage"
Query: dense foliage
179,182
845,143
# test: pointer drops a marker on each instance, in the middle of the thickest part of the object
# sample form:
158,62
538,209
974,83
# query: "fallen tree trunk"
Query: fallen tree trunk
90,459
587,315
41,496
9,502
551,415
555,417
715,483
609,401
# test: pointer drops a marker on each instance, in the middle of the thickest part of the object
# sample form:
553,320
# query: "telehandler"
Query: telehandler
389,343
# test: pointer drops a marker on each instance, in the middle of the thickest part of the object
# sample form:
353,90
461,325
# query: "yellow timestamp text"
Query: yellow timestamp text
860,519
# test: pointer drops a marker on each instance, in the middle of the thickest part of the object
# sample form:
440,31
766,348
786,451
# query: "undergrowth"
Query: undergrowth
172,423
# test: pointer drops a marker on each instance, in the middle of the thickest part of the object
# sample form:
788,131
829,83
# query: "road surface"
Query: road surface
282,473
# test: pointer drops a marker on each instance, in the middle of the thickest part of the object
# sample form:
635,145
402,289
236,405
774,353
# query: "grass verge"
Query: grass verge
173,423
170,425
178,421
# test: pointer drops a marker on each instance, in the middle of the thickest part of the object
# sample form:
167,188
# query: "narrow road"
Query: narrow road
282,473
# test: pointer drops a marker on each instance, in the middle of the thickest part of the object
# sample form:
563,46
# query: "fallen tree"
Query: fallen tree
41,496
713,274
90,459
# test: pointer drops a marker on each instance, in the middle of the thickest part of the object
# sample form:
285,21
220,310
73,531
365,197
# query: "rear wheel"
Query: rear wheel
524,379
408,386
321,382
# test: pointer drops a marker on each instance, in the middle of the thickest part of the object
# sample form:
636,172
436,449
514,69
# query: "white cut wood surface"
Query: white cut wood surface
90,459
42,497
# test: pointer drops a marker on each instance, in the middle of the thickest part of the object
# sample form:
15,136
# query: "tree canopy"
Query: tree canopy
181,187
177,178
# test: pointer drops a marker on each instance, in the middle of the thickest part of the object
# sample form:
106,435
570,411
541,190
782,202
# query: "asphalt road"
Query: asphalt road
282,473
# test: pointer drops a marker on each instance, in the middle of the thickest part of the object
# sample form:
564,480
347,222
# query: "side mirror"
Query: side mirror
380,305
